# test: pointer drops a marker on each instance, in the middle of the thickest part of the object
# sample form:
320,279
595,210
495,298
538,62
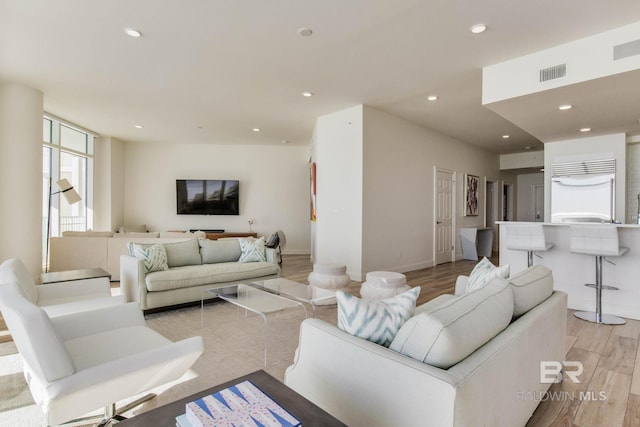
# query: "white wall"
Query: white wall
21,175
108,199
376,189
592,148
399,161
525,203
337,151
529,159
633,182
274,183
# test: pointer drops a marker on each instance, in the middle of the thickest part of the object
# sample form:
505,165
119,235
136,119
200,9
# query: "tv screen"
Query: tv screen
207,197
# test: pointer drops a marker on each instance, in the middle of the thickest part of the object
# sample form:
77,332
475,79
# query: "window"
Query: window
67,153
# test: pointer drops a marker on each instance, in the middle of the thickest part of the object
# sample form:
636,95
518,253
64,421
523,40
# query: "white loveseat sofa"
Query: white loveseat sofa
365,384
194,265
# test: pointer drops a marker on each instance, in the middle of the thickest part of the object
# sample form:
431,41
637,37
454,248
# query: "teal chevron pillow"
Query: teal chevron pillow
252,250
376,321
154,256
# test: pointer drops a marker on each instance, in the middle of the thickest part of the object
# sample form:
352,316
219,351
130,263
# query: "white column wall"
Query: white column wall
21,175
338,156
108,197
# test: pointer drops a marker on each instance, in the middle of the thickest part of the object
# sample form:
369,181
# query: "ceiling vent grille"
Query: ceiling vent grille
586,167
626,50
553,72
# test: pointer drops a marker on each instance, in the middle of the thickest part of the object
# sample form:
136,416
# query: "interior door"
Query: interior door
444,217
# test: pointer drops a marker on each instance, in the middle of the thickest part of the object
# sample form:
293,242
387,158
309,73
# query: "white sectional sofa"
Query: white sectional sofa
460,361
102,249
194,265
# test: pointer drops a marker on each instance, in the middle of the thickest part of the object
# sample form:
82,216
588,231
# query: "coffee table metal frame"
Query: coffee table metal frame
297,291
254,300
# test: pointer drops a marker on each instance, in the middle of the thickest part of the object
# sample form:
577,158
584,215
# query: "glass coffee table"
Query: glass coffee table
297,291
254,300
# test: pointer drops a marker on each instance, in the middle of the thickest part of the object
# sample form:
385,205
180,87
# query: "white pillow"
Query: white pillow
376,321
483,272
252,250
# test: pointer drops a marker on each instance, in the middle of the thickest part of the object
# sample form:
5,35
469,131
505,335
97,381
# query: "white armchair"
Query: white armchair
59,298
80,362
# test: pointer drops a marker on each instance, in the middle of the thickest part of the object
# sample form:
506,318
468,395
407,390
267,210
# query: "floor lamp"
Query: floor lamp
71,195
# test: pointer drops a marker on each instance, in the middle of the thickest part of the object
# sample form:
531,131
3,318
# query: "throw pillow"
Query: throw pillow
484,272
252,250
154,256
376,321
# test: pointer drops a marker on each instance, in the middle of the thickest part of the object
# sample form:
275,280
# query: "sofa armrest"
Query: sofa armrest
74,290
461,285
365,384
271,255
132,283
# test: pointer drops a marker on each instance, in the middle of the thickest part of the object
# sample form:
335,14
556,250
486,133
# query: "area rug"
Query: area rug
233,342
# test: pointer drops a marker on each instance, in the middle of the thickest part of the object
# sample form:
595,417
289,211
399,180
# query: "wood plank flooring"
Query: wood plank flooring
609,355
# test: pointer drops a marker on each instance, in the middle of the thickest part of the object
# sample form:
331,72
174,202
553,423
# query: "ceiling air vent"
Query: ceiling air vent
626,50
587,167
553,72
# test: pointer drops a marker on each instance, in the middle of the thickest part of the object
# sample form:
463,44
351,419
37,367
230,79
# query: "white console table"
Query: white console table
476,242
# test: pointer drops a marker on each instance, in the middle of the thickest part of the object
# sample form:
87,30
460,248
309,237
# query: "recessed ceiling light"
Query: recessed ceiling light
585,130
432,98
478,28
307,94
139,126
256,129
284,141
528,147
565,107
305,32
505,136
132,33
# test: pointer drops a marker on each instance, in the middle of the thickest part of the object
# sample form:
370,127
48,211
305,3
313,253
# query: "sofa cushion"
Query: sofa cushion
530,287
207,274
183,253
484,272
252,250
215,251
376,321
137,235
154,256
450,332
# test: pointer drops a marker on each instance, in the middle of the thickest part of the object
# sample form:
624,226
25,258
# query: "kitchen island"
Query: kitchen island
572,271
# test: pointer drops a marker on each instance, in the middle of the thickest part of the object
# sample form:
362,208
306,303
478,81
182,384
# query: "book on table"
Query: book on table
243,404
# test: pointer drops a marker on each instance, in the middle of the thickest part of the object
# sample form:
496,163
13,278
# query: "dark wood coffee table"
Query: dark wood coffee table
308,413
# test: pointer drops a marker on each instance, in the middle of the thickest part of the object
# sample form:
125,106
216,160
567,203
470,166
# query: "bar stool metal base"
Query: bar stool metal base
605,319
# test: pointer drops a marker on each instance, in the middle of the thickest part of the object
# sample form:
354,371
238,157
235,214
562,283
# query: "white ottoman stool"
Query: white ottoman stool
383,284
329,275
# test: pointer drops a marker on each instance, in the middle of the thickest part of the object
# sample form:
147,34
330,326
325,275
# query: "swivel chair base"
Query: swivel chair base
604,319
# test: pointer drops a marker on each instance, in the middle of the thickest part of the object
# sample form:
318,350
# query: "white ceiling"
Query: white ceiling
208,71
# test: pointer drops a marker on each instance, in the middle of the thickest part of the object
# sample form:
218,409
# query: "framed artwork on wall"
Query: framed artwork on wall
471,194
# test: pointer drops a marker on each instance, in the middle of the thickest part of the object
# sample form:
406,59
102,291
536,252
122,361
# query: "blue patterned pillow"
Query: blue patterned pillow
252,250
484,272
154,256
376,321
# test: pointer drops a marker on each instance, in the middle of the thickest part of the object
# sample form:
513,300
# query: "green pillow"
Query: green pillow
252,250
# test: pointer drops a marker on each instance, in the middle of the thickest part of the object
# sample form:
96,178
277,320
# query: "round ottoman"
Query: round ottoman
383,284
329,275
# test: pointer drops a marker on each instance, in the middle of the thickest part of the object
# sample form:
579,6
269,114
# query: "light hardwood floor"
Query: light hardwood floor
609,355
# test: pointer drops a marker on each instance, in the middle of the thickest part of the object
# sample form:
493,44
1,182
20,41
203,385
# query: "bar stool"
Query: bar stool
600,241
527,237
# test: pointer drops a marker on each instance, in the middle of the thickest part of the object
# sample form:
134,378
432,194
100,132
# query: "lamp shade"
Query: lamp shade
69,193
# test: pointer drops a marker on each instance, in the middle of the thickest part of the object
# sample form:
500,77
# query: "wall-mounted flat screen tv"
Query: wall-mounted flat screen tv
207,197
